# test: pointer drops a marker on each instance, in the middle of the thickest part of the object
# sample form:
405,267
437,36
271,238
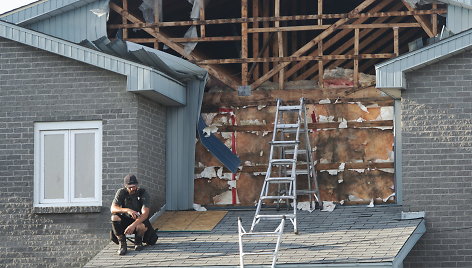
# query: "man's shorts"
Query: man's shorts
150,236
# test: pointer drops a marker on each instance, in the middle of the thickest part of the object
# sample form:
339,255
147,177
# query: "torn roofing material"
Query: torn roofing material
217,148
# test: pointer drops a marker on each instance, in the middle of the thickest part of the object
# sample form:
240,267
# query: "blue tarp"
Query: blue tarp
217,148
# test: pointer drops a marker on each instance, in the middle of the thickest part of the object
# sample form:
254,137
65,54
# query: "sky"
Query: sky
7,5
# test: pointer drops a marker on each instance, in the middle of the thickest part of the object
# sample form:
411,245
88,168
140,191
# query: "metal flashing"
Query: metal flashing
391,73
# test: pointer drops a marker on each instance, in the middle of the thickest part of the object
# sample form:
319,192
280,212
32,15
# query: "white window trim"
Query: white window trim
65,127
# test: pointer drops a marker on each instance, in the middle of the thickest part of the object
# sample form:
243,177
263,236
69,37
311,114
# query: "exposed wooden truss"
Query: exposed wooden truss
278,44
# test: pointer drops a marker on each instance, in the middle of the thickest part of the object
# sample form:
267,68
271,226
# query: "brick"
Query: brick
39,86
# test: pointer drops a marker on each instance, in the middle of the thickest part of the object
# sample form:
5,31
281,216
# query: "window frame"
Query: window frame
69,129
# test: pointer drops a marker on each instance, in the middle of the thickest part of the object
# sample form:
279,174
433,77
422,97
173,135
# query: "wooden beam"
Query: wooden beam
266,37
300,58
244,43
320,12
324,125
312,43
323,27
424,23
202,17
255,40
356,60
318,167
190,39
124,20
292,96
344,48
178,48
396,50
321,64
280,42
434,20
281,18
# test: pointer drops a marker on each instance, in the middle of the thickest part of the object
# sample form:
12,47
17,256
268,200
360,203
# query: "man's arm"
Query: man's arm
138,220
115,209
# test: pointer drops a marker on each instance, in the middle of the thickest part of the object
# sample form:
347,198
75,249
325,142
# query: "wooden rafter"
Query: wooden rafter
312,43
219,74
425,24
333,40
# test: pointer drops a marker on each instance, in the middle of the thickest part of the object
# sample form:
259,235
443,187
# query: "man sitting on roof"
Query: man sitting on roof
130,213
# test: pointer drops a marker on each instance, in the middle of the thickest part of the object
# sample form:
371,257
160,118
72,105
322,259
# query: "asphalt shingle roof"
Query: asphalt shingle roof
348,235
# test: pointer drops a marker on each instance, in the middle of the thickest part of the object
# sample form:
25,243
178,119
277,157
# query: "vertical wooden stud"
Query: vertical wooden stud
356,58
244,44
265,36
157,19
202,17
125,21
320,65
320,11
280,44
255,38
434,20
395,41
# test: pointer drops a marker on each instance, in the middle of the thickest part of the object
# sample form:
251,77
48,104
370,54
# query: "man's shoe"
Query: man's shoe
123,246
138,241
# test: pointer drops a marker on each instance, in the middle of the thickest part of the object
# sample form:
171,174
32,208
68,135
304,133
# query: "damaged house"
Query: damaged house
387,87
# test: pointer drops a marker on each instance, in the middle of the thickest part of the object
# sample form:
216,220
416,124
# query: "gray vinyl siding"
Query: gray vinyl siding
458,18
74,25
390,74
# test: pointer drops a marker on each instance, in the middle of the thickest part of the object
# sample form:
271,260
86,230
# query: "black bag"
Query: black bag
150,236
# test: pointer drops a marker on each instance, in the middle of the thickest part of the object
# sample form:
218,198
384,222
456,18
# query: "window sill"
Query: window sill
59,210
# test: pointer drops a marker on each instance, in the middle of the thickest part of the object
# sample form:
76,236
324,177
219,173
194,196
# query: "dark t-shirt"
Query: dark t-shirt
135,202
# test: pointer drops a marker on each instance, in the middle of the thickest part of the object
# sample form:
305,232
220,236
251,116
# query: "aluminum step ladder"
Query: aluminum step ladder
290,132
260,238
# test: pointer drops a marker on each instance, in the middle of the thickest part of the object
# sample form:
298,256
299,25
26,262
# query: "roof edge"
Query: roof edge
41,9
139,77
390,74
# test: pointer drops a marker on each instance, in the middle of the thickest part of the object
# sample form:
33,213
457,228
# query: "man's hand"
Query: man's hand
133,214
130,229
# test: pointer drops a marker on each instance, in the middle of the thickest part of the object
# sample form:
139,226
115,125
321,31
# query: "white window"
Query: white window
68,164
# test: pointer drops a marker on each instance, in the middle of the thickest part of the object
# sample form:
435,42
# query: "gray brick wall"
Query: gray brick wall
38,86
437,160
151,150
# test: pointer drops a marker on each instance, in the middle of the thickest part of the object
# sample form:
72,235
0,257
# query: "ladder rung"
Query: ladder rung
290,151
298,172
280,179
264,197
291,130
290,108
288,216
284,143
282,161
284,126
